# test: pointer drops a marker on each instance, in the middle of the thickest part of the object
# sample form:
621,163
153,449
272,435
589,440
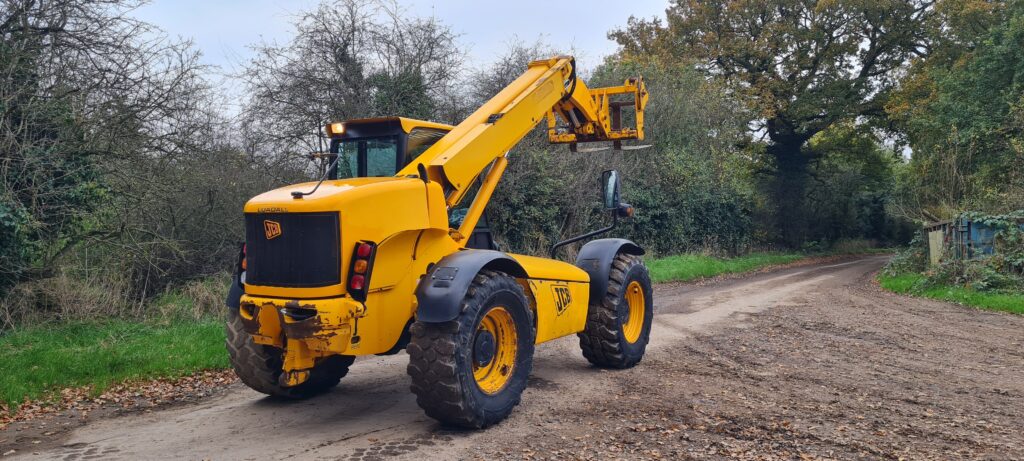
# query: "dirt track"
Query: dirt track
802,363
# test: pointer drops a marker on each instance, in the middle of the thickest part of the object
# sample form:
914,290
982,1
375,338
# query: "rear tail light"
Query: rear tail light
358,282
359,272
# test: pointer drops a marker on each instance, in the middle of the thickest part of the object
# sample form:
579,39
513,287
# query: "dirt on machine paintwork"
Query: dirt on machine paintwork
812,362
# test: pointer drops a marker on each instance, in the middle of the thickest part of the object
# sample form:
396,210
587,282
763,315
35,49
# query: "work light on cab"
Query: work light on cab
335,129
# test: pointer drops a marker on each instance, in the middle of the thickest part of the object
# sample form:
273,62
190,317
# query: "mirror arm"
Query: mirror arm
555,247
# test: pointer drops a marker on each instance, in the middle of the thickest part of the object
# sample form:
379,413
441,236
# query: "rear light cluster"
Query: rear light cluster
359,272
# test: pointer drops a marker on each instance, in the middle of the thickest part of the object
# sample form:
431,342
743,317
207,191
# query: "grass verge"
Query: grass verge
909,284
41,359
689,266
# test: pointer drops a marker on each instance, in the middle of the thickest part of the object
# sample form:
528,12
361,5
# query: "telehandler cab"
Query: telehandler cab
380,256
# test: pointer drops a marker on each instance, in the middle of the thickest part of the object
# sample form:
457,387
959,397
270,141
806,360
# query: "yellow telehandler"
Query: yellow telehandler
390,250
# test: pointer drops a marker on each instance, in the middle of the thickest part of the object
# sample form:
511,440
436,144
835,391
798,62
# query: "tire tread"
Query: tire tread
600,339
433,364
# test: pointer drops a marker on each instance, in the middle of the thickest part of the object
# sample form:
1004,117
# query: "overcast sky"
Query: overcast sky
223,29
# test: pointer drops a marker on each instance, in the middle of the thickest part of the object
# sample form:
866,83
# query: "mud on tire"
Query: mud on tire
259,366
443,357
604,340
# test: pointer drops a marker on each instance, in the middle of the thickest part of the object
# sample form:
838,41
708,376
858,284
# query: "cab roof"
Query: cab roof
407,123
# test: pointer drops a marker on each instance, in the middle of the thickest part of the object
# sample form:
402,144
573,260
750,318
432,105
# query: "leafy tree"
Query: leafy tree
851,187
71,74
962,112
112,157
800,66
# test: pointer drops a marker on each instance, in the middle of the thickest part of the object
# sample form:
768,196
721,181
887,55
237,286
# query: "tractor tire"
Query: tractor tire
259,366
470,372
619,325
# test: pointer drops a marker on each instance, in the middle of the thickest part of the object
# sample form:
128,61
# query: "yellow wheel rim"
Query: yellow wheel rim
633,324
494,350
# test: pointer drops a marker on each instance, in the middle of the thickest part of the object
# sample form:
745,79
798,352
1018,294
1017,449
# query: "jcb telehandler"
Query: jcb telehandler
380,255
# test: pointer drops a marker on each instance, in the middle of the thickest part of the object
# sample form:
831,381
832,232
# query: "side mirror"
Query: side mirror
610,194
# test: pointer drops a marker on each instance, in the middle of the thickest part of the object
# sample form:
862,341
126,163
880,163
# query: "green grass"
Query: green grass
41,359
908,284
689,266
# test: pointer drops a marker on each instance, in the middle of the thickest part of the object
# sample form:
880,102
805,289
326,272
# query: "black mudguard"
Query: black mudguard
596,259
440,292
236,290
234,293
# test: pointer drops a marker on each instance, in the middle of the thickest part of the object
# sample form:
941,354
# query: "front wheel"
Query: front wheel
471,372
619,325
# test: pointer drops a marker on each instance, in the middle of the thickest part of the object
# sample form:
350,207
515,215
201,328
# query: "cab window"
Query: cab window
362,157
420,139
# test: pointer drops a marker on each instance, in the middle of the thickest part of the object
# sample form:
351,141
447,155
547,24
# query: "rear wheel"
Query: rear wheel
619,326
471,371
259,366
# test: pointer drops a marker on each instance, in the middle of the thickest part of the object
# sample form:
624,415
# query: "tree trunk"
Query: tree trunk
788,188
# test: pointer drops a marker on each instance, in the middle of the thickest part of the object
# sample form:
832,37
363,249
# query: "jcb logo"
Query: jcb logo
272,229
563,298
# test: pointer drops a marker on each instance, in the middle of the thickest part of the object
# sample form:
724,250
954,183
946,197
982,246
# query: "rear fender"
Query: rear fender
236,290
440,292
596,259
235,293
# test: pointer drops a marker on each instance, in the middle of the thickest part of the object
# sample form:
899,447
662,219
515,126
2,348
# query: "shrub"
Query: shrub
976,274
912,259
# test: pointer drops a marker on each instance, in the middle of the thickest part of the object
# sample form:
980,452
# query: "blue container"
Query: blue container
976,239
